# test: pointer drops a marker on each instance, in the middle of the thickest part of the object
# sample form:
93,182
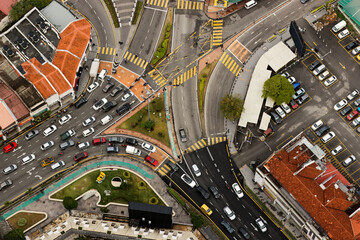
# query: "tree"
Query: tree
196,220
231,107
279,89
22,7
70,203
16,234
149,125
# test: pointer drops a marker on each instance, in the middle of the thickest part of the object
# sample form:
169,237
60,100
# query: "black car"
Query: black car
112,149
66,144
275,117
314,65
352,45
243,232
345,111
81,102
115,91
172,165
31,134
108,86
131,141
227,226
109,105
322,130
116,140
203,192
214,191
123,109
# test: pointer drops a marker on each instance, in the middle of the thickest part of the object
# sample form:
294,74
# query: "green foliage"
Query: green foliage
196,220
21,222
154,201
158,104
231,107
137,12
16,234
317,9
134,124
141,185
149,125
167,35
70,203
176,196
279,89
165,43
126,175
168,27
161,50
20,8
104,209
111,9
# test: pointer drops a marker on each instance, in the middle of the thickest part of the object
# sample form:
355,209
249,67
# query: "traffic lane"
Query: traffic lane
219,85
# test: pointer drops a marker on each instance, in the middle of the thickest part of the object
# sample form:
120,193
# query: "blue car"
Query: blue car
296,85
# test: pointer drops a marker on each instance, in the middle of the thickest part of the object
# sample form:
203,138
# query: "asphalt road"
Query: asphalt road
216,171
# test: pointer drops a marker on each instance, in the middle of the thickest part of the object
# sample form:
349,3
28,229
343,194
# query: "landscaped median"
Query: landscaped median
132,188
25,220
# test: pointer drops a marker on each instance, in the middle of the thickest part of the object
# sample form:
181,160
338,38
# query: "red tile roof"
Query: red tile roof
13,102
68,65
6,119
6,6
325,206
55,78
330,176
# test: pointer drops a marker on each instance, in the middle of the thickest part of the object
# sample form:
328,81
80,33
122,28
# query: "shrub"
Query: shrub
168,27
160,134
16,234
140,118
133,124
196,220
104,209
21,222
111,8
149,125
141,185
158,105
70,203
153,200
165,43
126,174
167,35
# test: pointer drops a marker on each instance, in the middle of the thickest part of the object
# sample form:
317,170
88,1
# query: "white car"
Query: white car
47,145
279,111
340,105
148,147
237,190
336,150
355,51
286,108
83,145
317,125
88,132
126,96
196,170
92,87
324,75
99,104
291,80
353,95
65,119
261,224
343,34
230,213
88,121
49,130
188,180
330,81
28,159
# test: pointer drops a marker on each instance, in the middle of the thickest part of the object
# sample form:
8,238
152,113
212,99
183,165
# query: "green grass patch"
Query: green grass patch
138,122
137,12
176,196
203,81
111,9
128,192
29,218
317,9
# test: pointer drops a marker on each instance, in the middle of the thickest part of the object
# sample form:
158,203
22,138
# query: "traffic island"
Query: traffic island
25,220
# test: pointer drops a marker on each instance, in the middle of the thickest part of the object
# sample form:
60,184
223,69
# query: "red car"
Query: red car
10,147
151,160
293,104
352,115
80,156
97,141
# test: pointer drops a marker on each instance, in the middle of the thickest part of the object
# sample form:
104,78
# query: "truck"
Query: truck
94,67
132,150
66,135
339,26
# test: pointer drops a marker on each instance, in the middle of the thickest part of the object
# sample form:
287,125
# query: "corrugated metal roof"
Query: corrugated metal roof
352,9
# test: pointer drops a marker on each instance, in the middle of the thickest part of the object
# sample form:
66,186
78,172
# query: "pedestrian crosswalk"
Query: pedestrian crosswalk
205,142
230,63
191,5
217,26
158,3
221,3
158,78
107,50
165,168
182,78
133,58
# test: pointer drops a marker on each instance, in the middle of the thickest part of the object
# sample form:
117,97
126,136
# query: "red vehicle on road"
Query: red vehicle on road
80,156
100,140
151,160
11,146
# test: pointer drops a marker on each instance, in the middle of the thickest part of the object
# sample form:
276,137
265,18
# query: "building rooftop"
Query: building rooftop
296,172
5,6
7,118
13,102
59,16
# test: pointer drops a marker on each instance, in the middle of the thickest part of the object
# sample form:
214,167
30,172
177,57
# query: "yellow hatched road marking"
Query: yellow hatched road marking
232,61
237,66
107,50
233,67
200,144
203,141
217,139
142,63
166,4
135,60
224,60
151,2
189,4
172,161
162,81
181,78
132,58
186,4
182,4
103,50
162,3
138,63
237,73
222,56
215,2
129,56
161,172
197,146
193,147
178,4
167,166
227,61
155,2
110,51
212,141
156,77
126,55
146,63
99,49
201,6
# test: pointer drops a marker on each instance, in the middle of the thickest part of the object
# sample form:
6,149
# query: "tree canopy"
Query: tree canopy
279,89
20,8
16,234
70,203
196,220
231,107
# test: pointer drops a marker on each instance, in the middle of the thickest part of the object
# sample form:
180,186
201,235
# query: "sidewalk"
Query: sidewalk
248,180
214,12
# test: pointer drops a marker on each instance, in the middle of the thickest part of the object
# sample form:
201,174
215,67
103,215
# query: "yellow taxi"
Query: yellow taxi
101,177
47,161
206,209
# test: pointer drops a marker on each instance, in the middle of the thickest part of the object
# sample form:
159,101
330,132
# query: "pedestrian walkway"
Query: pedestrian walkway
125,10
165,167
107,50
158,3
158,78
190,5
230,63
205,142
217,26
133,58
183,77
169,125
239,51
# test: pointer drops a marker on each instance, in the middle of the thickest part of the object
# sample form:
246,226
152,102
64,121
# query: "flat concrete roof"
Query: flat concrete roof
264,124
58,15
274,59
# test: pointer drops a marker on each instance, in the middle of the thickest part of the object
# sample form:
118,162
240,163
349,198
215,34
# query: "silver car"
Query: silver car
47,145
83,145
10,169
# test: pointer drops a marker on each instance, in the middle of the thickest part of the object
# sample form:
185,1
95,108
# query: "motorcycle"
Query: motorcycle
227,186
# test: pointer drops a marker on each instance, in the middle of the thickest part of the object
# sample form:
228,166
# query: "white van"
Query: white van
106,119
339,26
250,4
132,150
102,74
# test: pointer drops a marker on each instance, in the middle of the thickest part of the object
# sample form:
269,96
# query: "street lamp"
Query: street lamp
147,92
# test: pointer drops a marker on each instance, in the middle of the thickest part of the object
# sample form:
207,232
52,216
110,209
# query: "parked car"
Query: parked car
353,95
355,122
285,74
188,180
227,226
293,104
352,115
57,165
336,150
88,132
303,99
345,111
182,135
261,224
151,160
280,112
340,105
299,93
112,149
109,105
322,130
314,65
65,119
114,139
31,134
327,137
319,69
352,45
123,109
330,81
50,130
88,121
115,91
317,125
358,130
7,183
324,75
92,87
292,80
214,191
357,102
355,51
239,193
275,117
205,194
285,107
84,145
127,96
99,140
99,104
343,34
108,86
11,146
80,156
148,147
80,102
131,141
348,161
